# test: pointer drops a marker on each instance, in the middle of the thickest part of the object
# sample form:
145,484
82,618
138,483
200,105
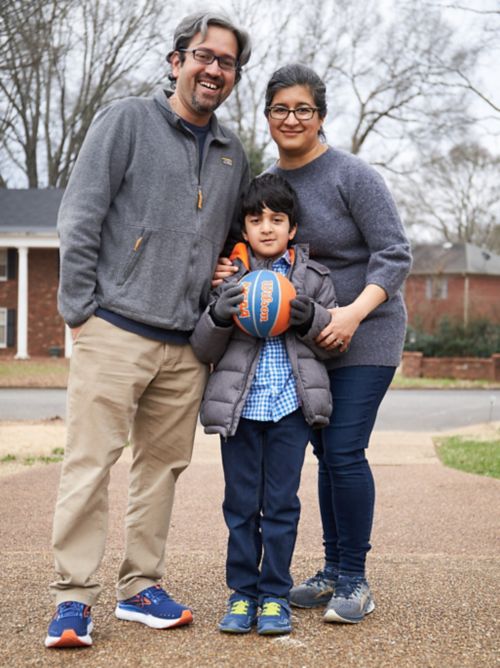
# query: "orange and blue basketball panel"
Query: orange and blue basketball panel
265,310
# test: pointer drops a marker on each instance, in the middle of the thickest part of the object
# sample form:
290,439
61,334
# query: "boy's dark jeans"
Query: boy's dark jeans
262,466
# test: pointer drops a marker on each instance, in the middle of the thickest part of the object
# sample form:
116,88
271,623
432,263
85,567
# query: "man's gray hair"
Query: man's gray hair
199,22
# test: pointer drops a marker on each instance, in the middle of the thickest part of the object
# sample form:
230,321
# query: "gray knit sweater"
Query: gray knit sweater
350,221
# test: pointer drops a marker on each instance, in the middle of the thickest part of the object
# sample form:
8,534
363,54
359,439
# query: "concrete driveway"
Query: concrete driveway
434,570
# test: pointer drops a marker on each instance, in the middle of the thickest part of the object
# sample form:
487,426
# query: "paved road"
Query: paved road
402,410
32,404
437,410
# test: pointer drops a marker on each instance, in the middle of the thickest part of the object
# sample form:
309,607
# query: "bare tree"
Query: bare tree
456,196
24,39
392,80
487,21
397,84
269,24
389,75
61,61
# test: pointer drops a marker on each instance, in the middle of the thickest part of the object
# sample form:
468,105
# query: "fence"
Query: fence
415,365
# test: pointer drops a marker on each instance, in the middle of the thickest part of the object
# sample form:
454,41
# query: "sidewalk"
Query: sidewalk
434,570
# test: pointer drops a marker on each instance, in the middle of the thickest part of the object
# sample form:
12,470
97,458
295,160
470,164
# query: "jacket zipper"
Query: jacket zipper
306,409
231,431
301,393
199,195
199,200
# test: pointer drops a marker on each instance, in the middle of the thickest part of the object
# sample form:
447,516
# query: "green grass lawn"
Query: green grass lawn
40,372
402,383
469,455
55,456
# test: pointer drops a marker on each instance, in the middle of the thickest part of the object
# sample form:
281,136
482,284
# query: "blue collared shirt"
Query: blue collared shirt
273,393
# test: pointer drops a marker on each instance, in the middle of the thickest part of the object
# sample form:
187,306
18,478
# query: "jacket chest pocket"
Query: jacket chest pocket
137,243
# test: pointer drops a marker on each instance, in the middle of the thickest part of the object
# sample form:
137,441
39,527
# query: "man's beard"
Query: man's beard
205,107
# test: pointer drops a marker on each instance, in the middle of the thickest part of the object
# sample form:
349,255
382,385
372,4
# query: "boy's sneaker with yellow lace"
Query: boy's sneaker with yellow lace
274,618
241,614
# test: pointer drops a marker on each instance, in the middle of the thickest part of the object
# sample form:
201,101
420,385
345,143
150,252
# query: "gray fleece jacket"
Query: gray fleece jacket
141,222
236,354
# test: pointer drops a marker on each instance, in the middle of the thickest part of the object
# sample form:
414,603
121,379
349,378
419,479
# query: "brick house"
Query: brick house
460,281
29,265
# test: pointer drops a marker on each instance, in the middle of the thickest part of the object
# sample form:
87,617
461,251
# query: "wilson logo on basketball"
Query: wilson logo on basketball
266,298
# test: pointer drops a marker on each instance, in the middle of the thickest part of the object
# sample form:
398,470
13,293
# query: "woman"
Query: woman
348,218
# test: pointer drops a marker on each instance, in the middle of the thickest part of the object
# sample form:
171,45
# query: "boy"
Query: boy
263,397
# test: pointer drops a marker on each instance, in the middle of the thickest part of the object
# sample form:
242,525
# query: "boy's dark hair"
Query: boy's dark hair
271,191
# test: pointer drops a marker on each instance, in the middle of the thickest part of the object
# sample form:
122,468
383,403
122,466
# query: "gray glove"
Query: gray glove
228,302
301,312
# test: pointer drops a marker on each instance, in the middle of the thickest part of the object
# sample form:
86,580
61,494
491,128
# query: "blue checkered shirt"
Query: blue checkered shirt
273,393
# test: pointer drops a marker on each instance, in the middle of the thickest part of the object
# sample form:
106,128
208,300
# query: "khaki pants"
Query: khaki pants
122,386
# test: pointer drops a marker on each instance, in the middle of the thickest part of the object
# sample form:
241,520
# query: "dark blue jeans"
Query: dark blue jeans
262,466
345,483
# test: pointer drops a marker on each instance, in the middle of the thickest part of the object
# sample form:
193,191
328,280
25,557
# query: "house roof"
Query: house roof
29,210
459,258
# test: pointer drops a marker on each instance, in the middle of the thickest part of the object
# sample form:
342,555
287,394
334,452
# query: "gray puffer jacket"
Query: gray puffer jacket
235,354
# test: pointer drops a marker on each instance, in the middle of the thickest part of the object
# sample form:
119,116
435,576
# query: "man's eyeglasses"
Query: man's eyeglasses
207,58
279,113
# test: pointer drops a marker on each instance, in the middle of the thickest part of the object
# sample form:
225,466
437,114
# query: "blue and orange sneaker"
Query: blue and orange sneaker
71,626
155,608
241,614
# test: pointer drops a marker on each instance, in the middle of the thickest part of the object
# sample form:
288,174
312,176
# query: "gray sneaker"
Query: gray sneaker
351,601
314,591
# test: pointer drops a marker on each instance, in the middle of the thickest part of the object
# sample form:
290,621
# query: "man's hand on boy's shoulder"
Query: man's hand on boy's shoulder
224,269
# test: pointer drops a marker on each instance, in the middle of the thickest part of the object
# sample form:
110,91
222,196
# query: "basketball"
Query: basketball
265,309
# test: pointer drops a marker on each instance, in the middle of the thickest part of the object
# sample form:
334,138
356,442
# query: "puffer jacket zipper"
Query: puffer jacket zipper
239,403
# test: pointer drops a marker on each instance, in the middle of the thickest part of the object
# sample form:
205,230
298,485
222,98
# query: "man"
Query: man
142,222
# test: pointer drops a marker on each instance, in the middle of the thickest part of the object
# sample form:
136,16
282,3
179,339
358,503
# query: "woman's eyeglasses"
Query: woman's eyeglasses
279,113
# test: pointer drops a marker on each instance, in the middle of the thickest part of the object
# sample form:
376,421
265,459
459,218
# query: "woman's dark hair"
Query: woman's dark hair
271,191
298,75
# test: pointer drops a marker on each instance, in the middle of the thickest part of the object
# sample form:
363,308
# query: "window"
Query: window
3,328
436,287
3,264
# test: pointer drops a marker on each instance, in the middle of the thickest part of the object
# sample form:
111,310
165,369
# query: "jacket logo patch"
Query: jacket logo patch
227,161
